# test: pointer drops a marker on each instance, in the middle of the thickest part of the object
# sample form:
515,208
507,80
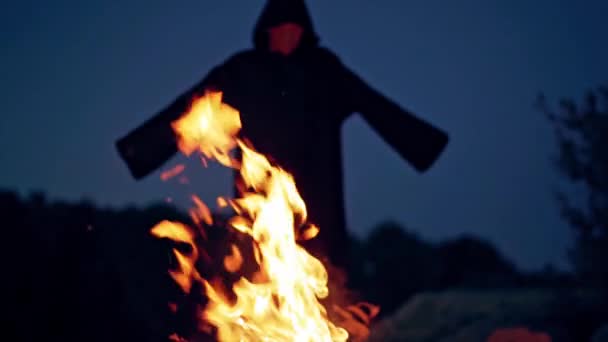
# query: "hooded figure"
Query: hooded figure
293,96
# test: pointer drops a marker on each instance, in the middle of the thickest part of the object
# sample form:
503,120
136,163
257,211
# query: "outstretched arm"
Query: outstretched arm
149,146
414,139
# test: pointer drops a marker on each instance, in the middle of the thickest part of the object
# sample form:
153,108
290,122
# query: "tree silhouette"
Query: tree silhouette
470,262
582,135
397,265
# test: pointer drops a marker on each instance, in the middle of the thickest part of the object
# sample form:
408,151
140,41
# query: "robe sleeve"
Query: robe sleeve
149,146
414,139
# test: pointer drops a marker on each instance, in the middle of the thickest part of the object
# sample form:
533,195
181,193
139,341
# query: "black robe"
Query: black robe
292,109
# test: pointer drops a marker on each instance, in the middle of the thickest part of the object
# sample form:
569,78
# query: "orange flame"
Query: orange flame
201,212
209,127
233,262
281,301
172,172
187,273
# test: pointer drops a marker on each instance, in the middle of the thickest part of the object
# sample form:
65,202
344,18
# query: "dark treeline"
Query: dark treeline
396,263
79,272
581,132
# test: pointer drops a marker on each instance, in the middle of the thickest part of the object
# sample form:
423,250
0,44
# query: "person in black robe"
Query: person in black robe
294,95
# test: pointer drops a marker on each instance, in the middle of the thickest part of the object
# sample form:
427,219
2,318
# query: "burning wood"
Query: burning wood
280,301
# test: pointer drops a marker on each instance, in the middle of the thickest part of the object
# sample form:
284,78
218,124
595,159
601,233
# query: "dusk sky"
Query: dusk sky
77,75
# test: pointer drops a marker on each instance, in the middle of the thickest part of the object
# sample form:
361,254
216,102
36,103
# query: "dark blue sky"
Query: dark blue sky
76,75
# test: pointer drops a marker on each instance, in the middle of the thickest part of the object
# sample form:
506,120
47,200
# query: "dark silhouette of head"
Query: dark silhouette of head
284,27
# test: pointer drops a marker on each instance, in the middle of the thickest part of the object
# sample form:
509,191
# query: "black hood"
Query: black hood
277,12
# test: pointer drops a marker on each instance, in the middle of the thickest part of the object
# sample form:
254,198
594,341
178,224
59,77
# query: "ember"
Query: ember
280,302
174,171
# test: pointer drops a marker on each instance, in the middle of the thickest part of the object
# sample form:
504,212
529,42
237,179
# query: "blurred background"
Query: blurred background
515,211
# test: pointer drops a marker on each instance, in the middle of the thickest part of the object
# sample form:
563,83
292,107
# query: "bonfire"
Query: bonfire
281,299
